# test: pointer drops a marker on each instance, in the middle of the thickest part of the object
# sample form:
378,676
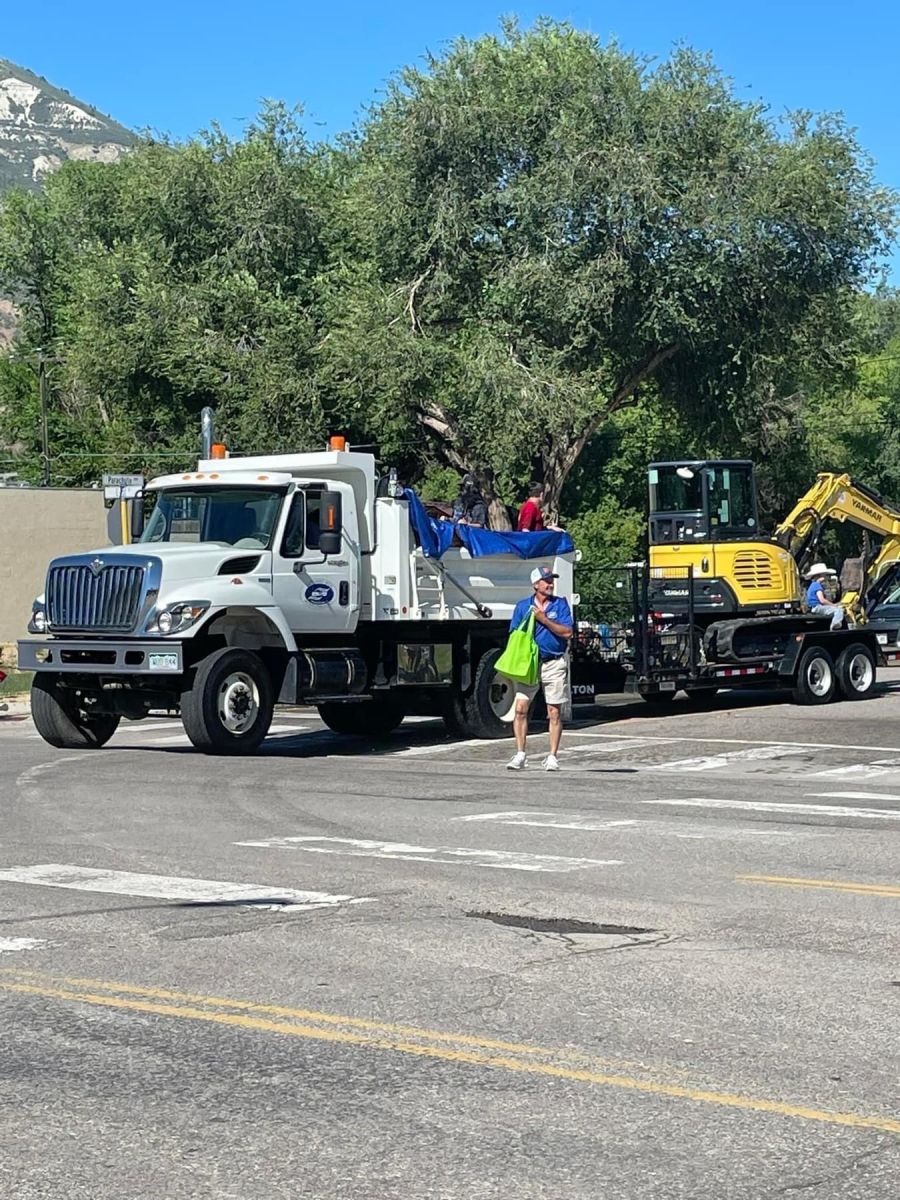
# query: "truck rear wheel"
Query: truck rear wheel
855,671
488,710
63,721
815,681
228,704
375,718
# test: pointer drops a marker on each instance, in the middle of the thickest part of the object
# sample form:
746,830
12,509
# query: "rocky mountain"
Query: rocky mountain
41,126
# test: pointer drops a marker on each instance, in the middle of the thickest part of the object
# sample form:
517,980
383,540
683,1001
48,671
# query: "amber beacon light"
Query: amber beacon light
337,443
218,450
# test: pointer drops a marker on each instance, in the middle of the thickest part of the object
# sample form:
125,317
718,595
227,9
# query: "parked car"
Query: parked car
885,619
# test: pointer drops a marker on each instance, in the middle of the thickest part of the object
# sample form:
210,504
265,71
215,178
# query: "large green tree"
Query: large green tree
548,228
184,275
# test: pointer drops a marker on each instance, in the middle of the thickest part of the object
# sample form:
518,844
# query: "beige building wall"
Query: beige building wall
37,524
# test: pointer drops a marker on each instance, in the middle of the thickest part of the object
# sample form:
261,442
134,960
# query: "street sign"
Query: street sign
121,487
123,481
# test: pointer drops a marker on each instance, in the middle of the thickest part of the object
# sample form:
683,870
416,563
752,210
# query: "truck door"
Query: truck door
317,593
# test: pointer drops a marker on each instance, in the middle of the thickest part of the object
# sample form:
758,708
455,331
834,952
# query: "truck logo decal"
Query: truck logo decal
96,566
319,593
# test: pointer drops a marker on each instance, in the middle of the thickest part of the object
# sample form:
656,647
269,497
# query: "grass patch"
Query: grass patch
16,683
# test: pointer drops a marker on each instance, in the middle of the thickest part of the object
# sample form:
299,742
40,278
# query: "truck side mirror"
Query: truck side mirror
331,523
137,516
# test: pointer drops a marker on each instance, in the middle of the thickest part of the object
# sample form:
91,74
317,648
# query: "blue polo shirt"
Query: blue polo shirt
549,645
812,593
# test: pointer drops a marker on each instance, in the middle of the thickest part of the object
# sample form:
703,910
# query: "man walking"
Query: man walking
552,631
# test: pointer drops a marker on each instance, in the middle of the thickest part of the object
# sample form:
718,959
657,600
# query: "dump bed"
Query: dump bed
407,584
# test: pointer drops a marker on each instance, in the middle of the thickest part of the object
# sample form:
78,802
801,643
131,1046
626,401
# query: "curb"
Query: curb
14,706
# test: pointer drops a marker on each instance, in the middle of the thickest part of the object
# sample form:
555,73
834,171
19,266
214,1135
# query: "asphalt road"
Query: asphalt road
340,970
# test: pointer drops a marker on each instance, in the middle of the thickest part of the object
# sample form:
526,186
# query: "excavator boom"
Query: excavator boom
840,498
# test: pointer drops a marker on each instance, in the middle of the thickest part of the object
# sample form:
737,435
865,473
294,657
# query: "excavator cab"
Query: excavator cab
711,500
704,526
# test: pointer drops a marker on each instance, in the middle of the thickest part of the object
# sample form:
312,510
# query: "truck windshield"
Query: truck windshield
243,517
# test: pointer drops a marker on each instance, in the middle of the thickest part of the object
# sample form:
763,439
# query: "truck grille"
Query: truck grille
752,570
97,597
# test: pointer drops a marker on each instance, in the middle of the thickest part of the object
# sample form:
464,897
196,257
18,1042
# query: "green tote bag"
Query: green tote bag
519,661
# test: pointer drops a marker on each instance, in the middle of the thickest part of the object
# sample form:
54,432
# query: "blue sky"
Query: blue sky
177,66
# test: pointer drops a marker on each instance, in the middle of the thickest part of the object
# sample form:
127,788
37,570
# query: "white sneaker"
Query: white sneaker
550,763
517,762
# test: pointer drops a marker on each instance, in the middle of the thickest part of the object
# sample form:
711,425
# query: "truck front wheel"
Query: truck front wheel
227,705
63,720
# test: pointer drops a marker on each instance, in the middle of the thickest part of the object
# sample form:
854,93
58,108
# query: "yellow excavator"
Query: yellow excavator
704,527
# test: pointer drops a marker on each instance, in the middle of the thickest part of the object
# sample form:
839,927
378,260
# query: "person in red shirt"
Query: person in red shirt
531,518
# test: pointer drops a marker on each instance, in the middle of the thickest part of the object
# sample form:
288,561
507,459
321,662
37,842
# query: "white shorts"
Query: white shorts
554,681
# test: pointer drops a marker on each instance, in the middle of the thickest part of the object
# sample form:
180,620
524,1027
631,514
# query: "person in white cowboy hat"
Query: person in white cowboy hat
816,599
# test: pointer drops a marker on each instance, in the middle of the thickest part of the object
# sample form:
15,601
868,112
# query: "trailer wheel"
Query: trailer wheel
227,705
62,721
855,670
375,719
815,680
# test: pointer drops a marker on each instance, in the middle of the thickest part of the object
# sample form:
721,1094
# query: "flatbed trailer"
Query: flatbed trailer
794,652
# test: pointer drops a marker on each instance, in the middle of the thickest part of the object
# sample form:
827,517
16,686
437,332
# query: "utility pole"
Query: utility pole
45,426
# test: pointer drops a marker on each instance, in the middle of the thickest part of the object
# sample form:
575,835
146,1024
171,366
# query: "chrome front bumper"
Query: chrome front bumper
100,657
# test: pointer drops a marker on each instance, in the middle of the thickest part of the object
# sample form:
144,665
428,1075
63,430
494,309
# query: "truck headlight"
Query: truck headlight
177,618
38,622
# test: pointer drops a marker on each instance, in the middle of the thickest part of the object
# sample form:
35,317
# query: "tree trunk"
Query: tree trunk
498,517
456,452
560,458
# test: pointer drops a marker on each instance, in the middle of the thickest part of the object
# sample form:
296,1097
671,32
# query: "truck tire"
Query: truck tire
487,712
815,681
227,705
855,671
60,719
375,719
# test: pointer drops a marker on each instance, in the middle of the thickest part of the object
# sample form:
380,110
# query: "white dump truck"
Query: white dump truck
284,579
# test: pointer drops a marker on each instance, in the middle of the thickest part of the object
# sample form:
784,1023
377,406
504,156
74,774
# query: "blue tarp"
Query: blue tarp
436,537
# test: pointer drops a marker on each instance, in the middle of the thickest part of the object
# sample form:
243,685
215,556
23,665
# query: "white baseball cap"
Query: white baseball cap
542,572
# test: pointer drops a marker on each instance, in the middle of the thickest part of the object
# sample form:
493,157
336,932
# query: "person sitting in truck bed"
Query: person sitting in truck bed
470,507
817,598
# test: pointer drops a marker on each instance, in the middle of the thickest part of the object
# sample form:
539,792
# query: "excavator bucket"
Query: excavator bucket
852,575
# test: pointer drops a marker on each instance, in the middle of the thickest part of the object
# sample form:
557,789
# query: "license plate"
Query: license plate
667,685
163,662
882,639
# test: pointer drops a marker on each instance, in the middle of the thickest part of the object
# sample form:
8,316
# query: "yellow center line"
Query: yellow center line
303,1014
371,1039
836,885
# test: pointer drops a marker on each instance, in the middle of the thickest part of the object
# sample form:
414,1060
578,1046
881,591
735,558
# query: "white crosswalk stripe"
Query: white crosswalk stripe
592,824
881,766
833,810
546,820
165,887
12,945
456,855
711,762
